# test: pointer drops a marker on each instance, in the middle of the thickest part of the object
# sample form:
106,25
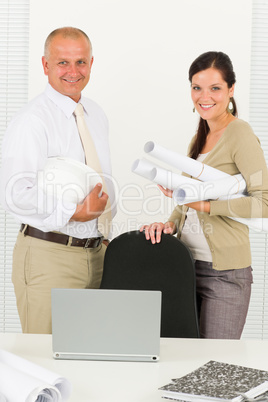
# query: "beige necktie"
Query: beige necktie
92,160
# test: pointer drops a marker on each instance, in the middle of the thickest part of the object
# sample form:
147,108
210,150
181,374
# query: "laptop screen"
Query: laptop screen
105,324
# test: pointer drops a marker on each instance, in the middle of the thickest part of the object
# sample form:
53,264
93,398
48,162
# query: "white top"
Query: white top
192,232
46,127
95,381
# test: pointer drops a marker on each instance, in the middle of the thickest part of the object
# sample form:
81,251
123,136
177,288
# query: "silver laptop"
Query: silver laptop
102,324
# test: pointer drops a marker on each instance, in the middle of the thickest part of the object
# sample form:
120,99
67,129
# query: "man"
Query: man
59,244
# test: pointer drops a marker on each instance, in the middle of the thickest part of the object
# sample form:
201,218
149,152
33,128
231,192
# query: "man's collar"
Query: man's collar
65,103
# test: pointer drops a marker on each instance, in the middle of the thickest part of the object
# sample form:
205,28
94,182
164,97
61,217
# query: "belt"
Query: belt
61,238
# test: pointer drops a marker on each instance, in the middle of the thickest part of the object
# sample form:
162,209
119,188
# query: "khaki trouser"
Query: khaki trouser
40,265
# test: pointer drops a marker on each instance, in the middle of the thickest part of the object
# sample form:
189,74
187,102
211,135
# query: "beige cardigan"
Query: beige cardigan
237,151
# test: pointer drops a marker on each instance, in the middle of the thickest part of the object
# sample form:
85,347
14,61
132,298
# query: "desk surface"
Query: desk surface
135,382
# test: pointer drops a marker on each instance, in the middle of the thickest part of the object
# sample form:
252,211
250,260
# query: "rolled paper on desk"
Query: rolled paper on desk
18,386
187,165
21,379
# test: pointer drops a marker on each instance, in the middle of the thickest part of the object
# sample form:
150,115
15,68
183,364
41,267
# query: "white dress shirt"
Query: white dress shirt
46,127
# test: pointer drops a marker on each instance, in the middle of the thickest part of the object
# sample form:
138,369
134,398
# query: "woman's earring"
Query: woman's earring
230,107
193,109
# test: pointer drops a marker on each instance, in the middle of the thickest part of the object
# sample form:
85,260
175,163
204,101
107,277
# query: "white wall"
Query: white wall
142,51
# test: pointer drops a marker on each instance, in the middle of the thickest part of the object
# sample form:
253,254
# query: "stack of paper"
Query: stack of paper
220,382
22,380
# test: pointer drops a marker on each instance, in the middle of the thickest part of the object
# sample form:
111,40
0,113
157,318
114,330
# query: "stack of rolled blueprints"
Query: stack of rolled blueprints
209,183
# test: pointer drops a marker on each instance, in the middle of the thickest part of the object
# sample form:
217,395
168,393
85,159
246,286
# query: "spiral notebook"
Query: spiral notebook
104,324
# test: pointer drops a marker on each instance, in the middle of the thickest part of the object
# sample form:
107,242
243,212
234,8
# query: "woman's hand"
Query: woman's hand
201,206
154,231
166,191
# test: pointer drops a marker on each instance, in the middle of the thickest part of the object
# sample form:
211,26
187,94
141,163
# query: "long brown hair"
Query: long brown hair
221,62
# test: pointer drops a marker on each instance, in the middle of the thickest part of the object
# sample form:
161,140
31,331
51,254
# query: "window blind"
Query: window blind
257,321
14,40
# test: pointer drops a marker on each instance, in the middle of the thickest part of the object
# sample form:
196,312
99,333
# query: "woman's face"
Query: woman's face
210,94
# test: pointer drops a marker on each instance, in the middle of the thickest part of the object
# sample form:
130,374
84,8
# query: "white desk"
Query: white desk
135,382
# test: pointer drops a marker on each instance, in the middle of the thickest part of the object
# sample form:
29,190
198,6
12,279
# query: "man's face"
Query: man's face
68,65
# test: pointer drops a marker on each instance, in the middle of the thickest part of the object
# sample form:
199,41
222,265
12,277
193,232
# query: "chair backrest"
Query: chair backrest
132,262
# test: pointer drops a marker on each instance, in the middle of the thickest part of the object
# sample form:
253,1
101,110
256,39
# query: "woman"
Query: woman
220,245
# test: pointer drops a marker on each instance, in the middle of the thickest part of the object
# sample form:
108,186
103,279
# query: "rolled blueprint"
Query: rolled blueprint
209,190
186,190
218,184
187,165
257,224
169,179
18,386
143,168
158,175
32,382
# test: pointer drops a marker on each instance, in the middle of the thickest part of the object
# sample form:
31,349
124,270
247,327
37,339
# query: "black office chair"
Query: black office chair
132,262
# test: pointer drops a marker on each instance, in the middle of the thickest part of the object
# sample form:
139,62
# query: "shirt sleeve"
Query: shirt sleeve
24,154
247,154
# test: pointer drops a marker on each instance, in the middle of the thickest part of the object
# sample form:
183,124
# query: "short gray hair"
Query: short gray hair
65,32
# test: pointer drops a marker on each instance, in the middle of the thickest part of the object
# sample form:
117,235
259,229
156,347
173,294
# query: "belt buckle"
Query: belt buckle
97,241
87,243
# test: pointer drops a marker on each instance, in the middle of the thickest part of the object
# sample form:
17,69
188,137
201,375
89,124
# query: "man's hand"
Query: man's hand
92,206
